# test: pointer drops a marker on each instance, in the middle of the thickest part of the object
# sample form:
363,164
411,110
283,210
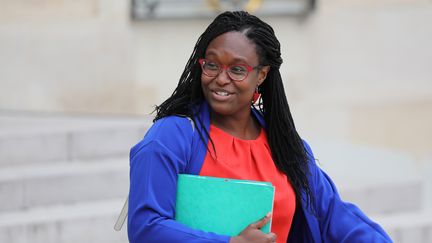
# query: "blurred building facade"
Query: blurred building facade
356,72
361,69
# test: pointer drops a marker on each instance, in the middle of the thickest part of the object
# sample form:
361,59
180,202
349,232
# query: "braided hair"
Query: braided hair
287,148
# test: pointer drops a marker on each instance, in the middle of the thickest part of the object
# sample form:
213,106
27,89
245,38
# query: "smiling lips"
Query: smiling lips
221,95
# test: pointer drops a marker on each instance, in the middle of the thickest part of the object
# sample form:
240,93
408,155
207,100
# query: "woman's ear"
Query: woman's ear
262,74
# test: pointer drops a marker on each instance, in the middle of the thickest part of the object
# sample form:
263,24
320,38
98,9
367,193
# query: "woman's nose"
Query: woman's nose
223,78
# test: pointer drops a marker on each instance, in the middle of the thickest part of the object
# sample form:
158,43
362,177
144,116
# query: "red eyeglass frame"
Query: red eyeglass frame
223,67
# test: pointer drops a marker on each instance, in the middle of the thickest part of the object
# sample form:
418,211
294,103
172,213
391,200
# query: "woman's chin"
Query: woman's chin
223,109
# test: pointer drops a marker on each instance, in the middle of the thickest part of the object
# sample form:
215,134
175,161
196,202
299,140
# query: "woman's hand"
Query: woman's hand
253,234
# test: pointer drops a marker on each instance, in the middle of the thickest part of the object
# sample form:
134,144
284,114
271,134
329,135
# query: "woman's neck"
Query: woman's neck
245,127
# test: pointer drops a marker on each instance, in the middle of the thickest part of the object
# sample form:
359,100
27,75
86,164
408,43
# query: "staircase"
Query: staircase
389,186
65,179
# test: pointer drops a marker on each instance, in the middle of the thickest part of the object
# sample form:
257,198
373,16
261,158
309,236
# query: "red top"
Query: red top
251,160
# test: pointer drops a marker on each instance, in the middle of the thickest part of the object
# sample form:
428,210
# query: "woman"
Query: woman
210,126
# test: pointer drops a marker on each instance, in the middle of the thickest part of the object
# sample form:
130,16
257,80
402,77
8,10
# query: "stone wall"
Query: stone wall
358,71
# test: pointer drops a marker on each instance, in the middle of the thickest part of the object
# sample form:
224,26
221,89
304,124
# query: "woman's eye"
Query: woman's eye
212,66
237,69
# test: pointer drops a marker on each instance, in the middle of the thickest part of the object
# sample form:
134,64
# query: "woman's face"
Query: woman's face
225,96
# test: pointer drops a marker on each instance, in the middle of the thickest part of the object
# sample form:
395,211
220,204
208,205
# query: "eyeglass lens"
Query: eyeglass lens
236,72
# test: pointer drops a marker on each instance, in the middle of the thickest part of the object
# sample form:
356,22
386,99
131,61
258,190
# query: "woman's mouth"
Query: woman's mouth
221,95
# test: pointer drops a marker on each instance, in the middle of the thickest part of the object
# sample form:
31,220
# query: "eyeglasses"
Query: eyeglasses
236,72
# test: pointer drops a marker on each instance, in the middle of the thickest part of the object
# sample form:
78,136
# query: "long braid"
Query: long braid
285,143
286,146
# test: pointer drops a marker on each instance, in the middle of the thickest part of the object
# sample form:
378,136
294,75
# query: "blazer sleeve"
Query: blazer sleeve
340,221
155,163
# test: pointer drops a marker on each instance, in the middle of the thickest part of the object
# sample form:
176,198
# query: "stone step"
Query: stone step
385,198
408,227
378,180
82,222
26,139
93,222
22,187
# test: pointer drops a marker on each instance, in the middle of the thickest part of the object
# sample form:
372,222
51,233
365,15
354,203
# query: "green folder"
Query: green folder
220,205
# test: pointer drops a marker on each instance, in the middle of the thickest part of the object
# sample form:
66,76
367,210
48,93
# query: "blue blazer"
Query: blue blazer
173,146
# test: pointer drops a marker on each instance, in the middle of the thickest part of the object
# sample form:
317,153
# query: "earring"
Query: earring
256,95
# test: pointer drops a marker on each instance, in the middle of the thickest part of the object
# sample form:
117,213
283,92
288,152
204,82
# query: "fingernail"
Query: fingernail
268,215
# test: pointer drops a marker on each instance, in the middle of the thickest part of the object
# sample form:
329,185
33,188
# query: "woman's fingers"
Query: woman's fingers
252,233
272,237
260,223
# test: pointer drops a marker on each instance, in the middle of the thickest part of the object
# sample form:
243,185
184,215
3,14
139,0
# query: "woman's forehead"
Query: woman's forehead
234,45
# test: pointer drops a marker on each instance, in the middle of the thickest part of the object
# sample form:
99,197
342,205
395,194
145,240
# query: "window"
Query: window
159,9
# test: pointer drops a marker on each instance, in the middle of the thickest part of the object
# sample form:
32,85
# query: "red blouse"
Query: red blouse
251,160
